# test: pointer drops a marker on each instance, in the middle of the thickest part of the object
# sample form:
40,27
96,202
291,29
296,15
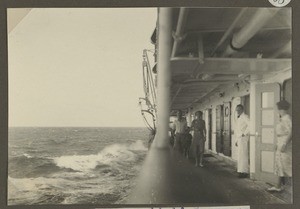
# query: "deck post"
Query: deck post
164,77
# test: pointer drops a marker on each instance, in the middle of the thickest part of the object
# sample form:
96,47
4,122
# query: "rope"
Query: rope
149,112
147,123
149,91
150,79
144,81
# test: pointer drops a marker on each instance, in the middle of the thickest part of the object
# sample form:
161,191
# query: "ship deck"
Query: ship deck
169,178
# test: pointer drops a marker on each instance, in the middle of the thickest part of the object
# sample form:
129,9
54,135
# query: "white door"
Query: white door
267,95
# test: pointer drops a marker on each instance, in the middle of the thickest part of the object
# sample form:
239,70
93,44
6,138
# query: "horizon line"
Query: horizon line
77,127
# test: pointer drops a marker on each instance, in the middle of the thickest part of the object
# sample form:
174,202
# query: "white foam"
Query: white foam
27,155
138,145
31,184
28,190
112,154
78,163
74,184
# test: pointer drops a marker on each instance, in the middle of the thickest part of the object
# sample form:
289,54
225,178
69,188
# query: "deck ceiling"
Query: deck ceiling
200,64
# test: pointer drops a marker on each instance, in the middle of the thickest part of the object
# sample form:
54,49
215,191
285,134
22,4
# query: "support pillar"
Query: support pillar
164,78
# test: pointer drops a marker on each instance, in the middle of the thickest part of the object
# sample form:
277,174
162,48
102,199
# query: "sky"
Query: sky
78,67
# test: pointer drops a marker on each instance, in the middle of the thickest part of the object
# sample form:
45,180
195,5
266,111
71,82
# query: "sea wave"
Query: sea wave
31,167
39,190
43,190
27,155
110,155
32,184
92,166
138,145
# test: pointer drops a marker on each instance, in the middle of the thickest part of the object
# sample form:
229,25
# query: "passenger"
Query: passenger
179,127
199,138
283,155
241,141
172,137
186,145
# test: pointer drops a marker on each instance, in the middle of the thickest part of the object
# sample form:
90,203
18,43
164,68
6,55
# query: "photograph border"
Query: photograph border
4,4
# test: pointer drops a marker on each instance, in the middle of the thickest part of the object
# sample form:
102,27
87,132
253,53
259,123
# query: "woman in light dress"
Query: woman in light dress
199,137
283,155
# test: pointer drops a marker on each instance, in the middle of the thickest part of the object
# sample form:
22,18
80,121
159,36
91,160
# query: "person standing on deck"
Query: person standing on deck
241,141
199,137
283,155
179,127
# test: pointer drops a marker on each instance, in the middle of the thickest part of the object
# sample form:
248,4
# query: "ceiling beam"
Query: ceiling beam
179,34
230,65
229,30
184,102
209,93
215,79
206,95
194,91
200,50
254,24
177,92
286,49
222,30
194,94
186,97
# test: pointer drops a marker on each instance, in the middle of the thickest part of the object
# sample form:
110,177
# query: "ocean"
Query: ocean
74,165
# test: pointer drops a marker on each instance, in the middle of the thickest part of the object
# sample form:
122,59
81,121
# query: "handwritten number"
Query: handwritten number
279,1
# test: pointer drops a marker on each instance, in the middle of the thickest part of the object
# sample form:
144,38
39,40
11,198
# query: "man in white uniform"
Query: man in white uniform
241,141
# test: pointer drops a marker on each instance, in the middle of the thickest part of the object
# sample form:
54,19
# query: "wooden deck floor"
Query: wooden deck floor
169,179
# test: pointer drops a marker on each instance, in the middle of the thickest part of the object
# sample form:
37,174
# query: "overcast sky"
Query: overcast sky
78,67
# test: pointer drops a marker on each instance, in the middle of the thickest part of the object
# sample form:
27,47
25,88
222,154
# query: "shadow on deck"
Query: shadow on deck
169,178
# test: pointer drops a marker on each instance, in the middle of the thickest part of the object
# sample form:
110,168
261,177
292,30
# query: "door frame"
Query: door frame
261,147
209,128
219,124
226,133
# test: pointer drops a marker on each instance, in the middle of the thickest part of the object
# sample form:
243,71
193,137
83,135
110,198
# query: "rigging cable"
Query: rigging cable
150,93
